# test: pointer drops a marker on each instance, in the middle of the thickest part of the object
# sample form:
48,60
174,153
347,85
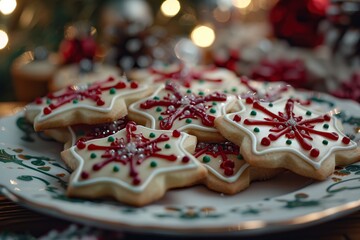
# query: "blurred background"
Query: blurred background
312,44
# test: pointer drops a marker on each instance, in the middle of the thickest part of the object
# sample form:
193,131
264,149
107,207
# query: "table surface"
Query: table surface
16,219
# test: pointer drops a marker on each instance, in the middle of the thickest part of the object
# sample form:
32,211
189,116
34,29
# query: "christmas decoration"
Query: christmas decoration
350,89
297,22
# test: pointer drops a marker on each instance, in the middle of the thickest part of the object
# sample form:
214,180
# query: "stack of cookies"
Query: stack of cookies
174,126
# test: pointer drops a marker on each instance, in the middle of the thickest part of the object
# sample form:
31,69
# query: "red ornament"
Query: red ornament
297,22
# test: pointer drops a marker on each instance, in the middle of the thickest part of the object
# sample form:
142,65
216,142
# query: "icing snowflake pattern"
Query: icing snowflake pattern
285,125
179,106
132,150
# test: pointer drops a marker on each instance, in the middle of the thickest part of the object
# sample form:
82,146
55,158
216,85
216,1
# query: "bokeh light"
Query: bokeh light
7,6
170,7
4,39
203,36
241,3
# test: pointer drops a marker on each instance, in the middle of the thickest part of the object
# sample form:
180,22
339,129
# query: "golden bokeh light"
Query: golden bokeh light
203,36
170,7
4,39
7,6
241,3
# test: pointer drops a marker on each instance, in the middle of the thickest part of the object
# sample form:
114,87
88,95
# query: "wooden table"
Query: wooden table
15,218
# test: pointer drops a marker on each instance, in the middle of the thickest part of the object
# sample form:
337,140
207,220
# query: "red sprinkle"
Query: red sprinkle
134,85
96,167
110,79
47,111
176,133
100,102
249,100
228,171
346,140
80,145
185,159
327,117
136,181
85,175
314,152
38,100
237,118
265,141
120,85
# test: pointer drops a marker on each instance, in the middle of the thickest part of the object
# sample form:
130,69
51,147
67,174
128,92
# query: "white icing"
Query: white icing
227,77
180,125
279,145
108,98
176,148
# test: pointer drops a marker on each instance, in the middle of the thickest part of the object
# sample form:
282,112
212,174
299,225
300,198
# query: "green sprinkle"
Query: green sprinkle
288,142
93,155
201,93
152,135
116,168
158,109
75,101
188,91
326,126
308,113
112,90
240,157
48,101
153,164
271,105
167,146
206,159
156,98
325,142
256,130
214,103
212,110
225,91
160,118
111,139
234,89
201,81
188,120
253,113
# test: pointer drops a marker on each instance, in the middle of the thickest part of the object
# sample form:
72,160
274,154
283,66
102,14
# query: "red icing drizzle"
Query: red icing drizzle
180,106
93,92
293,127
132,151
183,75
219,149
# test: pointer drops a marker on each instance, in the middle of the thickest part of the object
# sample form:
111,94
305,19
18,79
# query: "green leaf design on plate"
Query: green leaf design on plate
345,185
25,178
300,201
38,163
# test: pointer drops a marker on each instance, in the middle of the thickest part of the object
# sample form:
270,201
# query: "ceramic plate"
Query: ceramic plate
33,174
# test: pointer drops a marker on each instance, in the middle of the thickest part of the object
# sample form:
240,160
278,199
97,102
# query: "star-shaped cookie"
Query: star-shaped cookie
285,134
135,165
99,102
